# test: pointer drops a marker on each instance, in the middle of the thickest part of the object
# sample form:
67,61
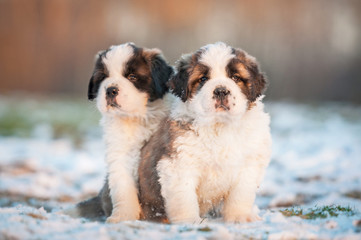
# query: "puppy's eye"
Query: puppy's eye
237,78
132,77
203,79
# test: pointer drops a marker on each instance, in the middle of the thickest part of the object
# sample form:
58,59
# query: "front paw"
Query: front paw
243,218
117,217
193,220
114,219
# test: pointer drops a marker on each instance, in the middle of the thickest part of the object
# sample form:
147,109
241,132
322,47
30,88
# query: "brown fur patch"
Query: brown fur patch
243,71
151,70
149,54
139,66
149,188
159,146
179,84
236,68
251,80
195,82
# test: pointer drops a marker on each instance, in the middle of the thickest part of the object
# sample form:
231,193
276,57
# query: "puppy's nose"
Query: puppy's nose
221,92
112,92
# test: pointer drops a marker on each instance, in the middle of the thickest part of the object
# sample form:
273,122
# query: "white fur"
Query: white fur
126,129
124,137
201,106
217,56
223,158
129,98
214,163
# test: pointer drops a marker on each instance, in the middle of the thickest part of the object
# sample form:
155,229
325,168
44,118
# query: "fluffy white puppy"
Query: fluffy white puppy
214,147
129,85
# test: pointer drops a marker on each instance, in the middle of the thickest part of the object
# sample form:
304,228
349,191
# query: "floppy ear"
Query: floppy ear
258,84
160,72
99,74
179,82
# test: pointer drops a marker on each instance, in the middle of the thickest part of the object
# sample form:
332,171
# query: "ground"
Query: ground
52,157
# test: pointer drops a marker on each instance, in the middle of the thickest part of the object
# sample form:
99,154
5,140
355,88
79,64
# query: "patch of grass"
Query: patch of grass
12,122
318,212
205,229
200,229
48,117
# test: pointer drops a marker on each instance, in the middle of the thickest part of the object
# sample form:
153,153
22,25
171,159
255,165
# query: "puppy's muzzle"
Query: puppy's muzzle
111,94
220,94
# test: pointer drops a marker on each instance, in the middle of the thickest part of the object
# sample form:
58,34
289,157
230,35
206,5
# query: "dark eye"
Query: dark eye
132,77
203,79
237,78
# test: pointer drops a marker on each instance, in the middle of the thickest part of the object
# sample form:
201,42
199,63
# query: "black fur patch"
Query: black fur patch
179,82
161,73
99,207
151,70
99,74
159,146
258,82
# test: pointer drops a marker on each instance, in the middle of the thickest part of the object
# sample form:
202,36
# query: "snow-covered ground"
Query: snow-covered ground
53,157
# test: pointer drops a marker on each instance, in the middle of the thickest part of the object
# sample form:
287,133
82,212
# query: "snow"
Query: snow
316,161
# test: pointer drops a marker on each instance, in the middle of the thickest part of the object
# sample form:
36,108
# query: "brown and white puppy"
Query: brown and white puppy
214,147
129,85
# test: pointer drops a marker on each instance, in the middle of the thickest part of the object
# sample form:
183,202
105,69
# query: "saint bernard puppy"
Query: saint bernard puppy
130,87
213,149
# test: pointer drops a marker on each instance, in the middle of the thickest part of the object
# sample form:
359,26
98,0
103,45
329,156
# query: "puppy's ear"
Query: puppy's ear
99,74
259,82
179,82
160,73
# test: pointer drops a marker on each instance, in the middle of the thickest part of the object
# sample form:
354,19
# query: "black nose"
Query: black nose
221,92
112,92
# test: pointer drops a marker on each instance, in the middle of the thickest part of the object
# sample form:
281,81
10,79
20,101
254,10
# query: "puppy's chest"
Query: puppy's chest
124,139
218,158
127,132
216,179
218,149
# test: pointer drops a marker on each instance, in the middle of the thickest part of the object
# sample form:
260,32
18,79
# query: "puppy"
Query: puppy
214,147
129,85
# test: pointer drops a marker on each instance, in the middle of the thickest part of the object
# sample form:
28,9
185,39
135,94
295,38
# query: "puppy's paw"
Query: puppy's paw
114,219
120,218
243,218
194,220
117,217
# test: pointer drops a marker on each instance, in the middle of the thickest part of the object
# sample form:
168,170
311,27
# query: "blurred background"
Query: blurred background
50,138
310,50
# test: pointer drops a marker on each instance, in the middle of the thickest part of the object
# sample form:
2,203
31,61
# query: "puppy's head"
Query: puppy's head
218,81
126,78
